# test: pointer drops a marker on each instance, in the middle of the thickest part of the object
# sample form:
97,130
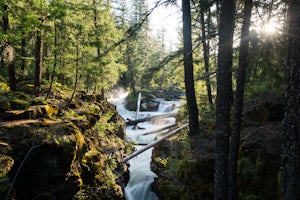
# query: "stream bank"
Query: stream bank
49,152
185,165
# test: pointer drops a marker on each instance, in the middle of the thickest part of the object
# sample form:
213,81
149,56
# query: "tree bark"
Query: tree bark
38,63
290,158
55,59
188,69
76,76
224,97
205,45
12,75
5,19
238,101
10,50
135,122
96,28
23,51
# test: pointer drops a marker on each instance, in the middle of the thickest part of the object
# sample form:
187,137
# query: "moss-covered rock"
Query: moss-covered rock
6,163
259,161
58,157
193,177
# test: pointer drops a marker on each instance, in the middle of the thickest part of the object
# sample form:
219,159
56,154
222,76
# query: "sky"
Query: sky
168,17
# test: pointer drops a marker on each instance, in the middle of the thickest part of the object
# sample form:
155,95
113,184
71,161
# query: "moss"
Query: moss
246,173
161,161
4,87
93,154
19,104
51,111
4,105
249,197
6,163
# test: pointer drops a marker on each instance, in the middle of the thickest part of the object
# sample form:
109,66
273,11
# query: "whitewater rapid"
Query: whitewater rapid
141,176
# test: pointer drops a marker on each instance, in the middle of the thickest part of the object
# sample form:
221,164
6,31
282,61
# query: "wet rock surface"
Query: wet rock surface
150,99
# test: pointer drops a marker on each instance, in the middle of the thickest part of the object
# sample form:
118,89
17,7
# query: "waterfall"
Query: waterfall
141,176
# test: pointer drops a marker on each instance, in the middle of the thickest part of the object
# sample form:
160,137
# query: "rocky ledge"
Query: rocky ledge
50,152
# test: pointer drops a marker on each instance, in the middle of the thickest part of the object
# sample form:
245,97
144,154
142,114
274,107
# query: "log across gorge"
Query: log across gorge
143,131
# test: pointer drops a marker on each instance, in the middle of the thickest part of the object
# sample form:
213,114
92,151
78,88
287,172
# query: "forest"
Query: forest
236,65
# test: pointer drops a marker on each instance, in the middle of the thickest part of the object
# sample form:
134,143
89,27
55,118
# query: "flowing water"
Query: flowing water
141,177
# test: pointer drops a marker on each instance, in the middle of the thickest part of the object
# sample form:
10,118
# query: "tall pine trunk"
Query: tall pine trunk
205,45
96,27
238,101
224,98
290,163
38,63
23,51
188,69
12,73
55,59
76,76
10,51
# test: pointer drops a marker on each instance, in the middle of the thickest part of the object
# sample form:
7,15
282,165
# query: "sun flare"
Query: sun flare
270,28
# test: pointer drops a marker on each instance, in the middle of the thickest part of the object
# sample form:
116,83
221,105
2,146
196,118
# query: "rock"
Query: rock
68,154
6,163
92,97
267,110
193,177
259,162
34,112
149,106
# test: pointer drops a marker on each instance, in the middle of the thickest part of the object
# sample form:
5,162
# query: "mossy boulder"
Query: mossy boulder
267,110
259,162
32,112
58,157
193,176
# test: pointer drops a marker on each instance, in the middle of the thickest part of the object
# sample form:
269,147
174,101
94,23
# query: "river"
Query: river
141,176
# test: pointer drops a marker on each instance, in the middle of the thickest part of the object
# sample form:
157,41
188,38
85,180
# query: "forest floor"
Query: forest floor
185,165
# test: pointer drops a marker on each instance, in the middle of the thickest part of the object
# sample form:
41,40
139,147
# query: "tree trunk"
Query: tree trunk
224,97
188,69
238,101
38,63
96,28
10,51
95,85
76,76
290,163
23,51
206,56
5,18
157,117
55,59
12,76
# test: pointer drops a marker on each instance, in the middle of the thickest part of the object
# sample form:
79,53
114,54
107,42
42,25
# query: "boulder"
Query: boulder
71,154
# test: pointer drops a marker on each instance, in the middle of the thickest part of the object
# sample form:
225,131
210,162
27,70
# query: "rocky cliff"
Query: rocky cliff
48,151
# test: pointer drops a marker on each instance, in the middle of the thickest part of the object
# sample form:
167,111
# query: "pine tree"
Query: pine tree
224,98
290,163
189,70
239,100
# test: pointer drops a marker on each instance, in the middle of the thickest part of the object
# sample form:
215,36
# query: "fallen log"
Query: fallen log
153,143
160,129
134,122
